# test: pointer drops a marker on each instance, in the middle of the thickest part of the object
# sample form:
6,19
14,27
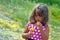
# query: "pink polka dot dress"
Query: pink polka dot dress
36,34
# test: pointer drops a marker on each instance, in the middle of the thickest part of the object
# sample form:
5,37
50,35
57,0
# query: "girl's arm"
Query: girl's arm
25,34
44,33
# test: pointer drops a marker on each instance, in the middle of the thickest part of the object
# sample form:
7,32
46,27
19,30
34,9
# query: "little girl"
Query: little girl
38,21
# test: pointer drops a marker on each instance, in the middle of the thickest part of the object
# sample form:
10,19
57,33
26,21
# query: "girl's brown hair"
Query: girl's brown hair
43,11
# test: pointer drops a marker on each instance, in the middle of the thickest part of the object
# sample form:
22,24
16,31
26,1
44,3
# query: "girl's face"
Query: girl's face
37,17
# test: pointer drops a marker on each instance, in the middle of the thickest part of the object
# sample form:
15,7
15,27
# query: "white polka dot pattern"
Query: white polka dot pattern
36,34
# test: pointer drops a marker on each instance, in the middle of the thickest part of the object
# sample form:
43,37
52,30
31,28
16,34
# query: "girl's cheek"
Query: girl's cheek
41,19
37,19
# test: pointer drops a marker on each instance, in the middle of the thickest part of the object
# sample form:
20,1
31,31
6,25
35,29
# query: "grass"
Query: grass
20,12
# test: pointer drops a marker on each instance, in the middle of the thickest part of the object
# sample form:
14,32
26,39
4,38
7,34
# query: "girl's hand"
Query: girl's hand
38,24
30,32
26,35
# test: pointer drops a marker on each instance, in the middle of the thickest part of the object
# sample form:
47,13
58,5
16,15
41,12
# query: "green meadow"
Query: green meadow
14,14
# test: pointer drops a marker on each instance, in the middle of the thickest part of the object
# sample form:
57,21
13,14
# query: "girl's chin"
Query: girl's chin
39,21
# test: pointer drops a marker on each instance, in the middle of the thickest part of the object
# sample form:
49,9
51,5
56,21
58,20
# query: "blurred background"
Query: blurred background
14,14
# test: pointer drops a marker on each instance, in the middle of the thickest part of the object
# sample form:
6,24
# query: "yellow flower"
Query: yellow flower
14,26
32,29
1,21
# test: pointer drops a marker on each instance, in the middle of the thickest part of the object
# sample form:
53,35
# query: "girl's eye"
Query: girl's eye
36,15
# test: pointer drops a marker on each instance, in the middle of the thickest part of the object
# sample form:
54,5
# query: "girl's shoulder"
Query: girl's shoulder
30,25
